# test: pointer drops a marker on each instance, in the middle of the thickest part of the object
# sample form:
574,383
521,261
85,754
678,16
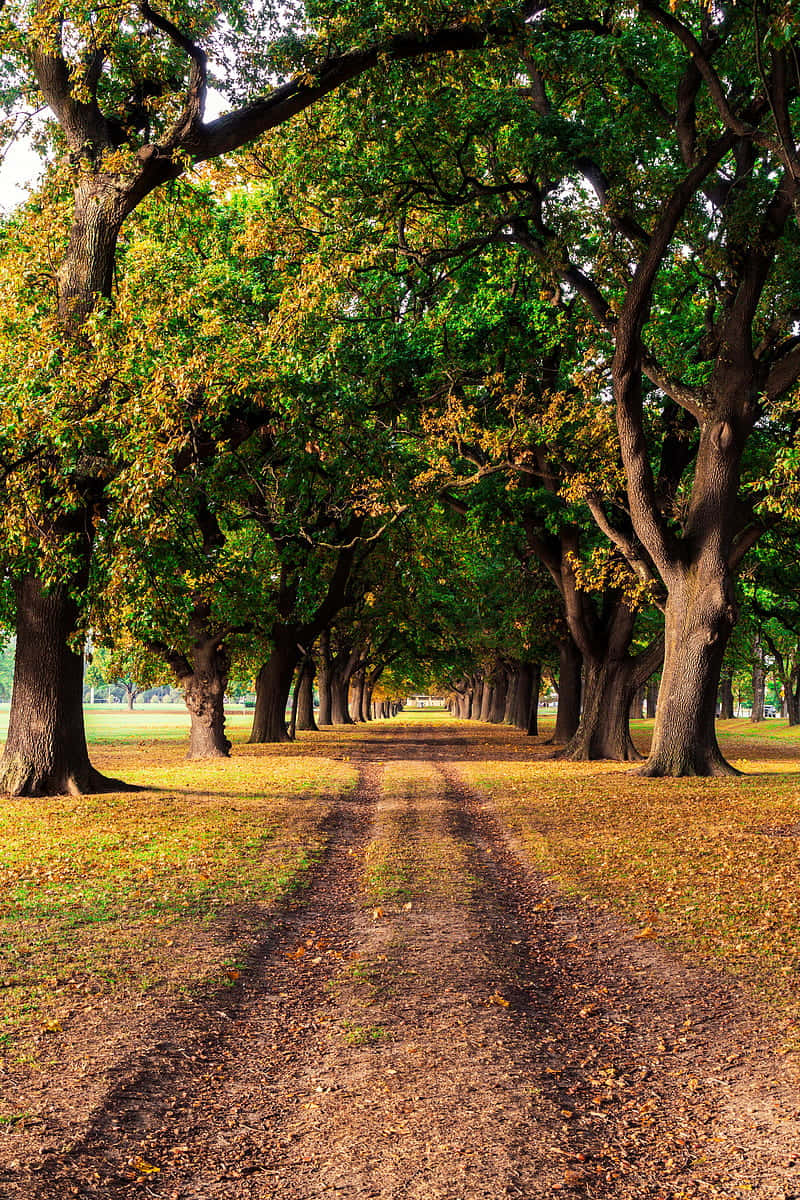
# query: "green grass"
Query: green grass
114,723
114,892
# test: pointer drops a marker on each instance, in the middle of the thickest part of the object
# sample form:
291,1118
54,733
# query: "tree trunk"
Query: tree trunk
726,698
533,715
130,696
486,699
339,690
45,752
759,681
324,717
569,692
699,618
527,681
357,695
604,727
511,695
651,698
791,698
637,703
204,696
305,698
497,710
272,692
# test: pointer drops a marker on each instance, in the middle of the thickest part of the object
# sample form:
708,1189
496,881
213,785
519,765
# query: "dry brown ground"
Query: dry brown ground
472,1033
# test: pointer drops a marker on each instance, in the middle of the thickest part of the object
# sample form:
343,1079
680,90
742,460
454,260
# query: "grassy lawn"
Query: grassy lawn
706,865
114,723
124,896
121,893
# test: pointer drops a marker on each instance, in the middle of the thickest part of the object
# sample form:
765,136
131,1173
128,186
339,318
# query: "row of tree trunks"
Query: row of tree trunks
596,695
346,685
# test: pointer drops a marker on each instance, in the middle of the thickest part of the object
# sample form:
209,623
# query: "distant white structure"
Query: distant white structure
425,702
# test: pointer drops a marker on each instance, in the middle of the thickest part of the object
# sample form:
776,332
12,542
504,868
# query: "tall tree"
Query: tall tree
127,86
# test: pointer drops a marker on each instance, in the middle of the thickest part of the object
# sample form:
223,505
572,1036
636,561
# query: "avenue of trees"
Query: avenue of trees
459,353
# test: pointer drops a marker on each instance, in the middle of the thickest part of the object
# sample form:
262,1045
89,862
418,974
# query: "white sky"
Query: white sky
21,168
19,171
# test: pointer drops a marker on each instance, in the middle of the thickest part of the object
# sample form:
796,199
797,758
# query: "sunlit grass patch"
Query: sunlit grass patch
104,892
707,864
414,855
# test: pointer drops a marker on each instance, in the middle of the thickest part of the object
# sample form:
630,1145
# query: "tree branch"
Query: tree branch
192,116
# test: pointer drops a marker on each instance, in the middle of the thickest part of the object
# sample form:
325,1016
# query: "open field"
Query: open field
432,902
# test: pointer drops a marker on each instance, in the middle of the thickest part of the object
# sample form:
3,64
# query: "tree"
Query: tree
127,87
645,160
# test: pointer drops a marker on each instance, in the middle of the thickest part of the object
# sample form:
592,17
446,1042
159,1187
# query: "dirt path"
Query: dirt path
434,1020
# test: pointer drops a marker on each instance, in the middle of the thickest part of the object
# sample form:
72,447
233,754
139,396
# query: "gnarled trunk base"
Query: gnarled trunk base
204,695
604,727
698,621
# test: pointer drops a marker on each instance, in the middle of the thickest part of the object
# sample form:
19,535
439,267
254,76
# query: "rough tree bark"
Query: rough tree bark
570,684
204,695
273,685
726,698
611,674
697,628
45,752
305,700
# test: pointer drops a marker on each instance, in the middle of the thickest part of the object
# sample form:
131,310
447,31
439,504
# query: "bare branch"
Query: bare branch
784,373
236,129
746,539
192,116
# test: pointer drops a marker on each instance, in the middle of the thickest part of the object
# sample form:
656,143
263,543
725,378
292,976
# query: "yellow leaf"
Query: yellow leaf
144,1167
498,999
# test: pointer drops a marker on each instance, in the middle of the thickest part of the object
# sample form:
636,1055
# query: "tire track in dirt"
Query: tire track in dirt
663,1071
475,1037
156,1114
428,1102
